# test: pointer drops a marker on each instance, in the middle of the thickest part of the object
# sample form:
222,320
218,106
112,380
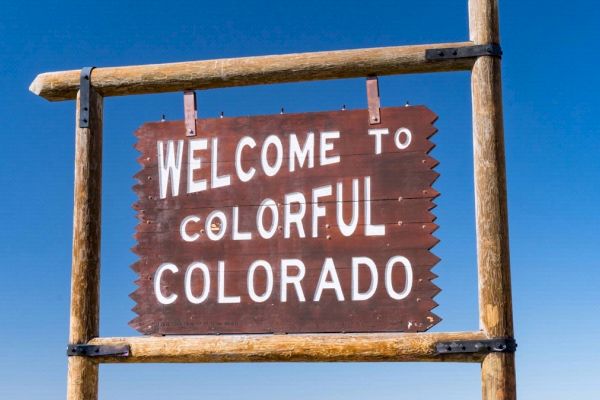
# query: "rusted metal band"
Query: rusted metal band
190,112
373,100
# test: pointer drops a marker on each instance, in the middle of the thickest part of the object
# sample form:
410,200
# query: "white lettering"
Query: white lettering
318,210
327,146
370,230
403,144
215,231
264,233
334,283
157,278
172,167
188,283
269,283
290,218
271,170
182,228
307,151
294,280
221,297
356,263
195,163
236,234
244,176
347,229
217,181
377,133
388,277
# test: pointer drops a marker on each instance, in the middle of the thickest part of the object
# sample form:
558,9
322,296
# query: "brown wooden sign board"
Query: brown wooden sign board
292,223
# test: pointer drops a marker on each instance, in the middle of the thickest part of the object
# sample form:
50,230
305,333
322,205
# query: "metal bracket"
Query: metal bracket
373,100
190,112
492,49
85,87
506,345
90,350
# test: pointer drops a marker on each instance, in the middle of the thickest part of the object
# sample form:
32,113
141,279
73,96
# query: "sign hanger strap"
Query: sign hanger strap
190,112
373,100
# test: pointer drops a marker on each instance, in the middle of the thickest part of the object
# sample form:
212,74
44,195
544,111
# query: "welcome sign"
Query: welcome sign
289,223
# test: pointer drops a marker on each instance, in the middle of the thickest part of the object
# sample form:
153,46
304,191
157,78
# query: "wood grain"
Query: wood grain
495,299
402,199
277,348
160,78
82,380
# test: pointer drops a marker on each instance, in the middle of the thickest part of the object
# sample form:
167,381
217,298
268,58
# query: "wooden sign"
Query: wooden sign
315,222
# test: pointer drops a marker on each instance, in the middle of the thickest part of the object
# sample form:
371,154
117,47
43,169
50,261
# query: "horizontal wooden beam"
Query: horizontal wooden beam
160,78
305,347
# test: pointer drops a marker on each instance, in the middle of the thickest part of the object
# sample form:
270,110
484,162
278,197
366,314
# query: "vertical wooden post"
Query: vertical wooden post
495,304
82,382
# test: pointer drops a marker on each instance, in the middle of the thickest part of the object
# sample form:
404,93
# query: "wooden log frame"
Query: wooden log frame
297,347
85,275
495,304
495,295
173,77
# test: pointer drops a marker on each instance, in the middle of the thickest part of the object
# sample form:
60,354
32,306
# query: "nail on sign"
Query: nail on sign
288,223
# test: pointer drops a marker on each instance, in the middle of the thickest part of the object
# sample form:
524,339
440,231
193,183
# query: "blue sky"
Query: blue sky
552,143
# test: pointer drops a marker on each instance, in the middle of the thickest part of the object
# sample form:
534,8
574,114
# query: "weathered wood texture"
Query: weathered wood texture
82,379
278,348
85,276
490,187
400,199
495,304
159,78
498,377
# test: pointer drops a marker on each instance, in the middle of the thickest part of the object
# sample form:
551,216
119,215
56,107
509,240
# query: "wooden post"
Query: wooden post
495,304
82,381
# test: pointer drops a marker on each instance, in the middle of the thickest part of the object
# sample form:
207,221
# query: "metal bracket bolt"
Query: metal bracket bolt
480,50
85,87
506,345
89,350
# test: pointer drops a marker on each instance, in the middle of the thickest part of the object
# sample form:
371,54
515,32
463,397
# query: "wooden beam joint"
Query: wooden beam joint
475,51
90,350
85,90
499,345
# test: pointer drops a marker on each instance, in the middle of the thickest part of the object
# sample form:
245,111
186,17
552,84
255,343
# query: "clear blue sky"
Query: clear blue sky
552,142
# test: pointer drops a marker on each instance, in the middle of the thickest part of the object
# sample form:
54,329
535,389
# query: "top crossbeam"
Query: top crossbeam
245,71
